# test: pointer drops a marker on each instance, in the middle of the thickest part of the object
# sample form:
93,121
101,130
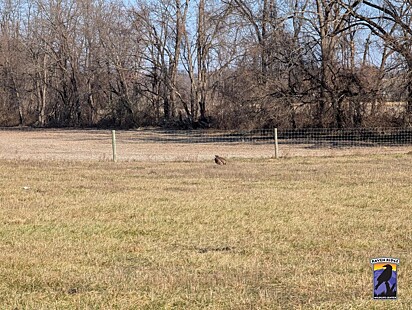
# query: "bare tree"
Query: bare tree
12,58
165,22
259,16
231,63
390,21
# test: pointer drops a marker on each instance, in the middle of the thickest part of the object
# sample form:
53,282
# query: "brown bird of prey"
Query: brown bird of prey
220,160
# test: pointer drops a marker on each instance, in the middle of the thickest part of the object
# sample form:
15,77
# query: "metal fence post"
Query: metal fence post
114,145
275,137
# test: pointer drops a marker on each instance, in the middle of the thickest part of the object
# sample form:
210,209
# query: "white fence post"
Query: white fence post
114,145
275,137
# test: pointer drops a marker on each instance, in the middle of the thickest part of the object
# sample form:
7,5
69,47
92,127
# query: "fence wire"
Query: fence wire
202,144
203,136
352,137
318,137
194,145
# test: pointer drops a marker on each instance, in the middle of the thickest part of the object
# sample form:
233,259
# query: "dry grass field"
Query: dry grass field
294,233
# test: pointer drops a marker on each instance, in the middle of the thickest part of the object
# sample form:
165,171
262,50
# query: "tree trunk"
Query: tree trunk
408,109
201,60
174,63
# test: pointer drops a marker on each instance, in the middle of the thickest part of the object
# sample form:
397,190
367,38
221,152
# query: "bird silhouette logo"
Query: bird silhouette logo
385,278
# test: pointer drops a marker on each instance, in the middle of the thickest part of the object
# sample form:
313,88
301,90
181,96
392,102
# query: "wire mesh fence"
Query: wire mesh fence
202,136
318,137
351,137
194,145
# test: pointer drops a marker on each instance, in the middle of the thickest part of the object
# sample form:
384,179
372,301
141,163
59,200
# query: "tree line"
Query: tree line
198,63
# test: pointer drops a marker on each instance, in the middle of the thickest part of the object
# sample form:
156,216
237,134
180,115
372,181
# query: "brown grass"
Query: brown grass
255,234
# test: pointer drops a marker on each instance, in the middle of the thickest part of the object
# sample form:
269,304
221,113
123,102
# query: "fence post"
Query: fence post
114,145
275,137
